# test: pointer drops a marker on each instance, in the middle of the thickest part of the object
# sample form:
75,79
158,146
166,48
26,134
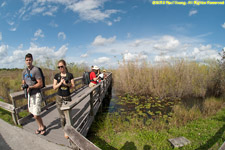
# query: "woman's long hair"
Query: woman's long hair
64,63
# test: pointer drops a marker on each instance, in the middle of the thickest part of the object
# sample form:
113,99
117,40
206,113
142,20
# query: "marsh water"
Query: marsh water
146,106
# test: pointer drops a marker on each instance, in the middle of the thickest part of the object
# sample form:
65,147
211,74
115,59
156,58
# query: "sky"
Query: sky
105,32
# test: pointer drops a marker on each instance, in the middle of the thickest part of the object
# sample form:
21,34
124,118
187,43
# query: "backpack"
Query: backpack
42,77
86,77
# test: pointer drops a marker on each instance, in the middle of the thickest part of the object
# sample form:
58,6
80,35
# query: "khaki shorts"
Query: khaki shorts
34,104
91,84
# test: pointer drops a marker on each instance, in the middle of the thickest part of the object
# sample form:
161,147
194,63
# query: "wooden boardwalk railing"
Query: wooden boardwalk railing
79,112
94,97
18,96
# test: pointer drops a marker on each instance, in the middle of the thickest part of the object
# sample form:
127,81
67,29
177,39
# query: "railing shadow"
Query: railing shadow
54,125
3,144
215,138
129,145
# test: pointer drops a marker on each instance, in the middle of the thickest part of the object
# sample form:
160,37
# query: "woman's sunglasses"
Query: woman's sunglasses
60,67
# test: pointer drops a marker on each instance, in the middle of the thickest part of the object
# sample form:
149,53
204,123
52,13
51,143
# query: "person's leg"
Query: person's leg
59,102
37,111
39,122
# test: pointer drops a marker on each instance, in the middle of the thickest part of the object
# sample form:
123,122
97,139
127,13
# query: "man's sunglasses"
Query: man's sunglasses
60,67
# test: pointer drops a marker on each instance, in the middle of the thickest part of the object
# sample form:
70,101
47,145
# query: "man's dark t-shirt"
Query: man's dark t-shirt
63,89
34,72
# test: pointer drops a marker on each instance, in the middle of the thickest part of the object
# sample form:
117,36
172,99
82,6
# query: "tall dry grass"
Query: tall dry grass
11,79
179,78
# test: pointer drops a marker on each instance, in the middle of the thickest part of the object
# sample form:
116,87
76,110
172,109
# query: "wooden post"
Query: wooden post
91,104
14,113
68,116
14,117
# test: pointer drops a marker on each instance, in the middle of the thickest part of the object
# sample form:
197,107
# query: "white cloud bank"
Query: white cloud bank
16,59
155,49
87,10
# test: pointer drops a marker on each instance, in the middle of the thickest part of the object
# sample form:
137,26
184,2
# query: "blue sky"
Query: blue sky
103,32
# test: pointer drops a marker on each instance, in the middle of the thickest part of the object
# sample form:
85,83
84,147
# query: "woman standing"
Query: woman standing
63,81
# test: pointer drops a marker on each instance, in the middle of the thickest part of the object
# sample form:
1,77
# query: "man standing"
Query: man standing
32,77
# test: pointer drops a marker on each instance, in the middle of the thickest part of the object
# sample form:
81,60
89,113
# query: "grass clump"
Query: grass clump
6,116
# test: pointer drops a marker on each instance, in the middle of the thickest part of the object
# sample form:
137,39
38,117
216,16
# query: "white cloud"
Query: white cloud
87,10
167,43
102,61
20,46
205,47
0,36
38,34
17,58
128,35
117,19
130,57
99,40
90,10
11,23
61,35
159,58
37,10
12,29
84,55
223,25
53,24
3,50
3,4
109,23
51,10
193,12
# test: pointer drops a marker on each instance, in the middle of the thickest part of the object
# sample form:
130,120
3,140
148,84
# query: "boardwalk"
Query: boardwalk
51,120
79,112
15,138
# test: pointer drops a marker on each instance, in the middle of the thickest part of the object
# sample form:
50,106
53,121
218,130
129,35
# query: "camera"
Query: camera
25,87
66,80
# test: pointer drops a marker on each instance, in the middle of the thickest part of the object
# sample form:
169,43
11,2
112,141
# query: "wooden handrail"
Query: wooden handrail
20,95
73,103
7,106
79,140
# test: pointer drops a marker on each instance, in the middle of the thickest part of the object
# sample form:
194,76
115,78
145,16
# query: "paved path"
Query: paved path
12,137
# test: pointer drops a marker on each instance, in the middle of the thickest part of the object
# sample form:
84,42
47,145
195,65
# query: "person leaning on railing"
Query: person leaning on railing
63,81
93,77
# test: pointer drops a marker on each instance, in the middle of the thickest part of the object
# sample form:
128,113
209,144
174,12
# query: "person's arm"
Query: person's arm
95,78
72,83
38,85
55,85
23,82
